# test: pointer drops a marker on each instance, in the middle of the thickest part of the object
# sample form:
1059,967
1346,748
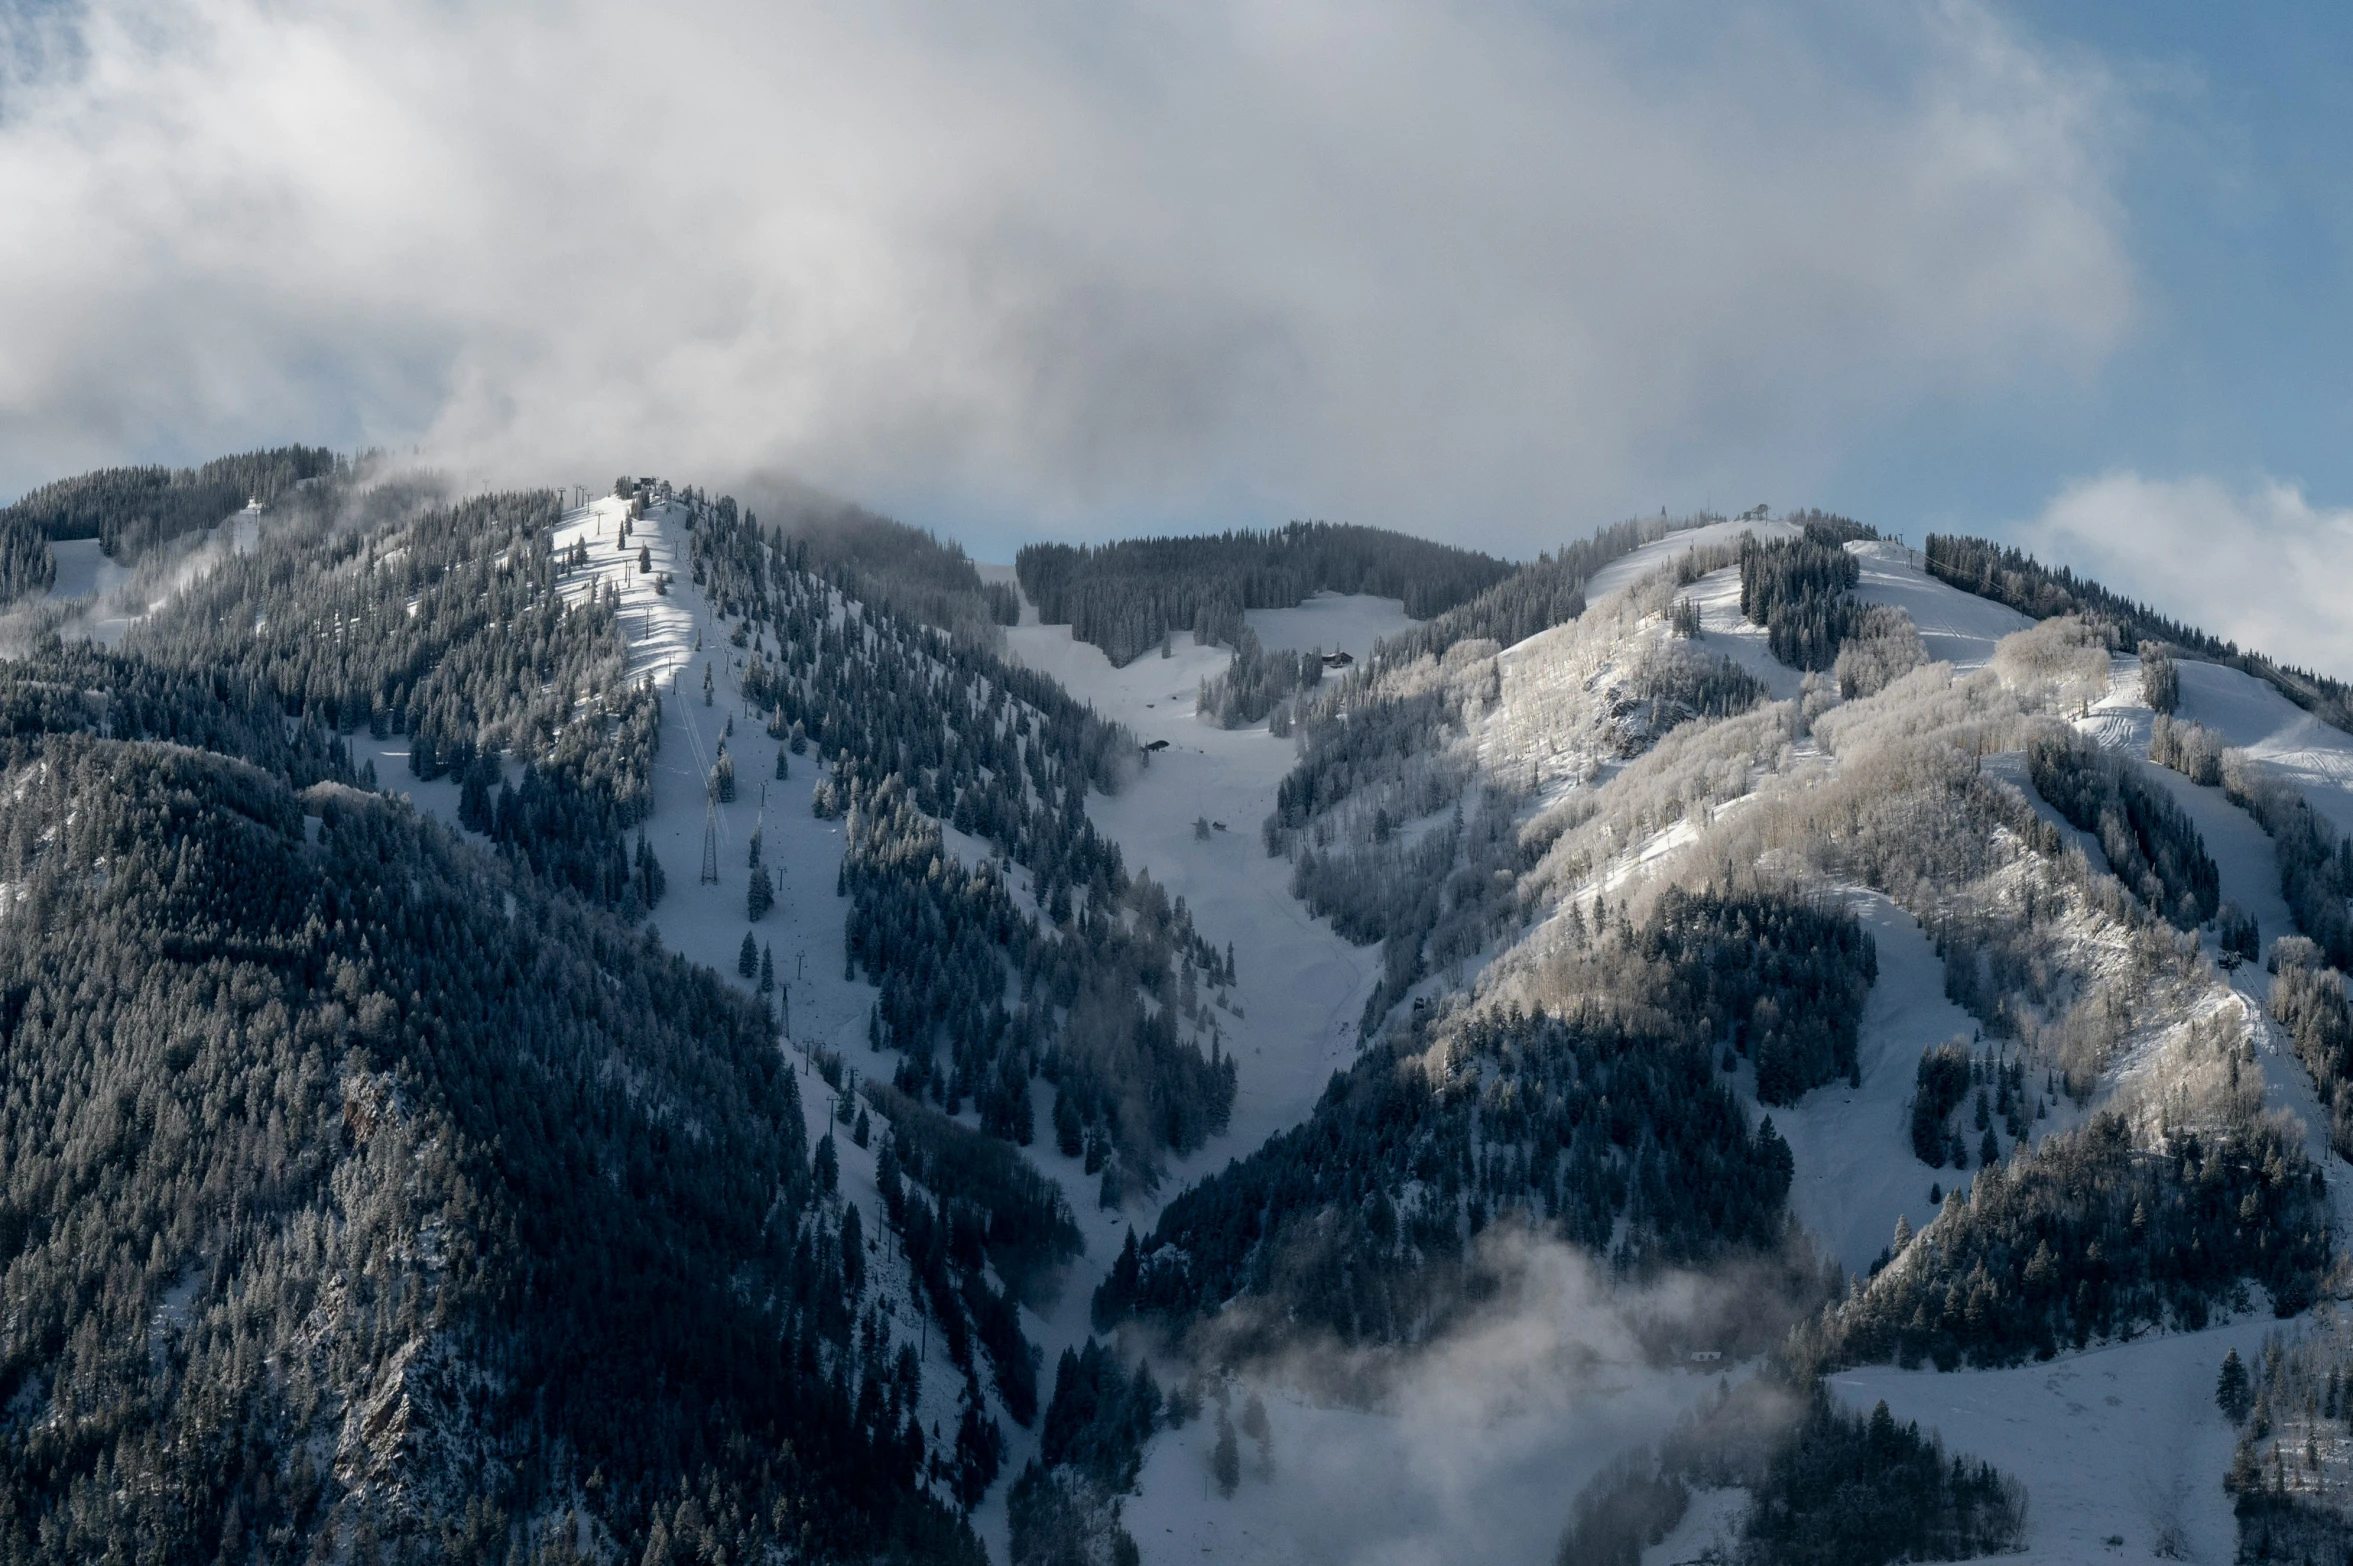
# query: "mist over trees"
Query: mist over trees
131,510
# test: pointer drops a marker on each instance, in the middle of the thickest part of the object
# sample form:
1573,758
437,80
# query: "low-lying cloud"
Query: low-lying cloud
1485,271
2257,562
1471,1447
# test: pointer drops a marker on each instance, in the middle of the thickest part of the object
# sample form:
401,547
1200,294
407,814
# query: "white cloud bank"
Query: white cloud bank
1483,270
2258,564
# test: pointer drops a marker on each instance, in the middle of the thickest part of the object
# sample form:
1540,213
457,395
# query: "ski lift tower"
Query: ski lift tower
711,827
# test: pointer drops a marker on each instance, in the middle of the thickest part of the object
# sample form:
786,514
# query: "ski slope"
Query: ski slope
1856,1171
83,570
1959,628
1329,622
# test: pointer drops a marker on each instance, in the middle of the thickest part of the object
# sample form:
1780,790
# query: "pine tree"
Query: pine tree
747,959
2231,1392
767,967
760,897
1226,1461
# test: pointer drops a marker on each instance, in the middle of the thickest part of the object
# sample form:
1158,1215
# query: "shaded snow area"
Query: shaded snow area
2121,1448
1330,622
83,571
1856,1171
1301,987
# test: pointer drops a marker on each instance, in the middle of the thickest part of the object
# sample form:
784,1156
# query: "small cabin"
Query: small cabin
1157,745
1338,660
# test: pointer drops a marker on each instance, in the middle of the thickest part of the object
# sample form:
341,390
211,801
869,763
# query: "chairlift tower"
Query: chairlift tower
711,829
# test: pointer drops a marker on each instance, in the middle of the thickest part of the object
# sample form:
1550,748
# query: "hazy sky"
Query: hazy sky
2071,274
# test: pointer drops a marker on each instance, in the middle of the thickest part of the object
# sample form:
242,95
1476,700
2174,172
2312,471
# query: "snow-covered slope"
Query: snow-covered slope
2121,1448
2119,1442
1959,628
1331,622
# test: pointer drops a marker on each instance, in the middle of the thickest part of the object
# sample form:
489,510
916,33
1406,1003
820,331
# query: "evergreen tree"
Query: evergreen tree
2232,1392
1225,1460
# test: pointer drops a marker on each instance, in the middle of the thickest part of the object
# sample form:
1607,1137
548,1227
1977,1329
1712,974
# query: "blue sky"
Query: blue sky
2072,275
2237,197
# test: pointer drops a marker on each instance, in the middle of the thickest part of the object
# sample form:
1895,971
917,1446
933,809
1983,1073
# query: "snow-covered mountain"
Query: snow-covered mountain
1534,1078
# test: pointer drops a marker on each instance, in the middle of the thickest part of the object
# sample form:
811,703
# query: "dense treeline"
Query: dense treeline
453,628
2089,1236
1615,1129
1858,1490
26,565
946,944
1097,990
2007,575
80,689
1784,981
949,1239
1828,1487
1945,1078
1064,1507
1025,1225
909,571
1800,589
366,1197
1129,597
131,510
2151,843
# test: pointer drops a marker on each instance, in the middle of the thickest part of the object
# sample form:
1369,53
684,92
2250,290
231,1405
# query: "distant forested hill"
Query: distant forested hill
910,571
131,510
363,1196
1125,597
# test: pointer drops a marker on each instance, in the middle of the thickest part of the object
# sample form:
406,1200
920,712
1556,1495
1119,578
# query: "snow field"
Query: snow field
1856,1171
2122,1442
1331,622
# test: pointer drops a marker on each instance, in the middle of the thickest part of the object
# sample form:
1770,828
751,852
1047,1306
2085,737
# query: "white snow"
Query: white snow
1856,1171
1634,565
1331,622
1959,628
2272,729
1301,987
83,570
2122,1442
